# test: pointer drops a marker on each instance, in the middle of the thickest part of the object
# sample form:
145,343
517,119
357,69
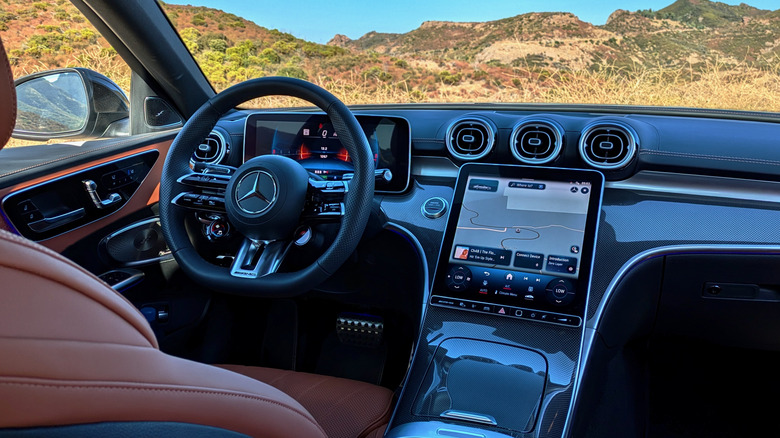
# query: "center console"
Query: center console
502,334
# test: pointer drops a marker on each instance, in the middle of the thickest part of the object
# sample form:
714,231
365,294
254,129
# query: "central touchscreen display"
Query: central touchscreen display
535,226
521,238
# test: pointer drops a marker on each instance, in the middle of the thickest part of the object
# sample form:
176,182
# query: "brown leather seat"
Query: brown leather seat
343,407
72,351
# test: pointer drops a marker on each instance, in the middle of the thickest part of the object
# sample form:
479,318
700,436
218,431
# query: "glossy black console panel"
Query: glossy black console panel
509,342
437,429
485,382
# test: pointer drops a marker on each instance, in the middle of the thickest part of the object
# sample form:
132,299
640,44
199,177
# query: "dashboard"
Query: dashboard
687,197
672,177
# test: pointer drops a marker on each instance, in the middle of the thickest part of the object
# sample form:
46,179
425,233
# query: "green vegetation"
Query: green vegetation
642,57
707,14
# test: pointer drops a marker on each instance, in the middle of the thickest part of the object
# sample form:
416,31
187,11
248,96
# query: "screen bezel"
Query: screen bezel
582,283
404,144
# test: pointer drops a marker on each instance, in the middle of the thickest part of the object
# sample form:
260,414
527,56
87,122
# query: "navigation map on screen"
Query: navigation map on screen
524,225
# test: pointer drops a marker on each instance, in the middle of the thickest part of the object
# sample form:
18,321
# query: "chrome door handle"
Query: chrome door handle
91,189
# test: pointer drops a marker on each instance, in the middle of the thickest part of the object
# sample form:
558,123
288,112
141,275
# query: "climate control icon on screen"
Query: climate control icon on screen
459,278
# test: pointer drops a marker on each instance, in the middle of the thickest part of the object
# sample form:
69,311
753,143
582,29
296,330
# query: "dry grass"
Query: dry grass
713,85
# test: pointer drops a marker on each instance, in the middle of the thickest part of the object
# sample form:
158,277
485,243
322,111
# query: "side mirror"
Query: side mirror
70,103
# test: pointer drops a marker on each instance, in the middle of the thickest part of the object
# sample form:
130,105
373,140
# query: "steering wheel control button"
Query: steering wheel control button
205,181
459,278
434,208
217,229
560,292
303,236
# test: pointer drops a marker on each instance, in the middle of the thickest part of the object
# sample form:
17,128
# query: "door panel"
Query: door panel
145,195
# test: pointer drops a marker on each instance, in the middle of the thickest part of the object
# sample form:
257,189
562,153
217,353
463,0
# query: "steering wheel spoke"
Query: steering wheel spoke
214,203
325,201
258,259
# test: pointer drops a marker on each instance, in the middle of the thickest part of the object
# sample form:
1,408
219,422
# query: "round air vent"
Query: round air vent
212,150
536,141
470,139
608,145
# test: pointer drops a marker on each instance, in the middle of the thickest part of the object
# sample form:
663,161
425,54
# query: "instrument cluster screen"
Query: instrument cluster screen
311,140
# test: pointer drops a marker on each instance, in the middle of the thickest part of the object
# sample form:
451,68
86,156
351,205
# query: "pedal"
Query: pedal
359,329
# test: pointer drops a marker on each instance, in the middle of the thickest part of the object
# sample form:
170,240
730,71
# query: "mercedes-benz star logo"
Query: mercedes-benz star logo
256,192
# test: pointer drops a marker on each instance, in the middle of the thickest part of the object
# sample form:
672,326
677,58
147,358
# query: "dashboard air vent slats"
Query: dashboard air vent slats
536,141
608,145
212,150
470,139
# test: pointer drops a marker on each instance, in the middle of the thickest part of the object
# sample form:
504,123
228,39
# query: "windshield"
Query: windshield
689,53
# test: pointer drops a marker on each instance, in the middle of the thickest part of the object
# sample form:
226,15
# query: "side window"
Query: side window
71,84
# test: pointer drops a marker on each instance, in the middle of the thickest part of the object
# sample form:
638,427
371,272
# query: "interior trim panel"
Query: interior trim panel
145,195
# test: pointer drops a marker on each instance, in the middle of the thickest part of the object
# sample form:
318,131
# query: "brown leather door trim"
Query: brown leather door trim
146,195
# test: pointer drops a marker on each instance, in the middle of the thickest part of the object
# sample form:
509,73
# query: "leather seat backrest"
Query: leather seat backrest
73,351
7,98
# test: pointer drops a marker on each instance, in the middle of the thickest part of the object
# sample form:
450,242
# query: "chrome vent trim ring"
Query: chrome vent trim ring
536,141
608,145
470,139
211,151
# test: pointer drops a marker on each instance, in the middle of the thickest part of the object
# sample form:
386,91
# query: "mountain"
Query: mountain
685,32
439,59
708,14
466,40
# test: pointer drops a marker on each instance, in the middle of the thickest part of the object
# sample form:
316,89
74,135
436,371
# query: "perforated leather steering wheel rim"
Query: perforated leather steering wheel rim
357,201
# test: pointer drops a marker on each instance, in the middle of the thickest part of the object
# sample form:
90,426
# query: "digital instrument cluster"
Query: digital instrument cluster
311,140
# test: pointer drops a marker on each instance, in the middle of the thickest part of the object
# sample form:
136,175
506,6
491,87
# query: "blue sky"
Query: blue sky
319,21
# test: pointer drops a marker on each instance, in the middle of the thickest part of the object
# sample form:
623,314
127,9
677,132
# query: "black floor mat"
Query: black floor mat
352,362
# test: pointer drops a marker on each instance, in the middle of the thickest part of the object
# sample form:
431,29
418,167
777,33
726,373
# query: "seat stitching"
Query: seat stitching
377,418
176,390
312,387
342,400
73,341
378,422
278,378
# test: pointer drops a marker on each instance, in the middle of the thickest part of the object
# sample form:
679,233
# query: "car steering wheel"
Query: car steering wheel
266,198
